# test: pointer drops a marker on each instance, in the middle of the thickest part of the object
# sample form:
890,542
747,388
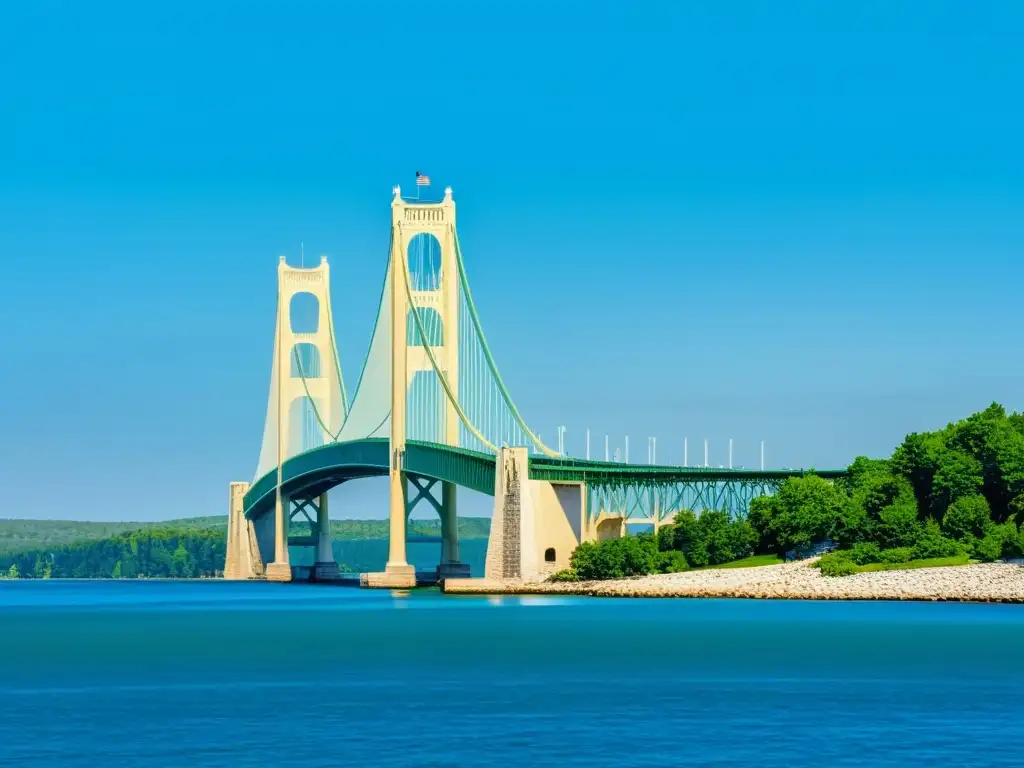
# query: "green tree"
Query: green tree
687,534
967,517
932,543
862,470
713,531
742,539
116,573
958,475
898,525
761,518
805,510
917,459
697,555
999,541
672,561
614,558
875,486
991,437
13,573
666,538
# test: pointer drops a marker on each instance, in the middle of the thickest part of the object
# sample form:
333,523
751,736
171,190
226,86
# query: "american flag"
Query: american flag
421,180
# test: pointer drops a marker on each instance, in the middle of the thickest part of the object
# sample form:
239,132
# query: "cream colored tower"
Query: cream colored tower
242,558
409,219
298,374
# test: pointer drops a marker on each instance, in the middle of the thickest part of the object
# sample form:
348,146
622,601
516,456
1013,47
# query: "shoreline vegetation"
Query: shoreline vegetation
942,501
931,522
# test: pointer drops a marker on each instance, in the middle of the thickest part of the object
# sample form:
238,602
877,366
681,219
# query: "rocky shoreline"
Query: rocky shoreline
988,582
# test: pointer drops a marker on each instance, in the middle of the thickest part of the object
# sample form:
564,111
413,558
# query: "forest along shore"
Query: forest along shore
984,582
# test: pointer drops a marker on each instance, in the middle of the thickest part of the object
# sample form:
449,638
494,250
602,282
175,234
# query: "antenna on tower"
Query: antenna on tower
302,255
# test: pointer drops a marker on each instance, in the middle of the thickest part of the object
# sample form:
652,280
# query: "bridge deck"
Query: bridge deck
320,469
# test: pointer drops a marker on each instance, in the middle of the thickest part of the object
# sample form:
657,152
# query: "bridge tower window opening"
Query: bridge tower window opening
433,326
304,313
304,429
549,555
305,361
424,257
425,405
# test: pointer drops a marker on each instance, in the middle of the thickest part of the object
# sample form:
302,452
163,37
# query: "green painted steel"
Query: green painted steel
630,488
469,469
609,472
644,492
318,470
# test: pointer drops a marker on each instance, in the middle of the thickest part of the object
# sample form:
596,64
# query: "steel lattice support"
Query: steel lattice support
652,500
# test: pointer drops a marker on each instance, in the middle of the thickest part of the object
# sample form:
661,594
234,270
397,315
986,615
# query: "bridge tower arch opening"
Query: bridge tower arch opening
424,292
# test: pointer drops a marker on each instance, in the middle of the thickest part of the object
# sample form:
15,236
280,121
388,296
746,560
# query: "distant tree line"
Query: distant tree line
156,552
195,548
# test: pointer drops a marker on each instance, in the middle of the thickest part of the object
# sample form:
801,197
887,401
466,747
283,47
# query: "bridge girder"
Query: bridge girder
316,471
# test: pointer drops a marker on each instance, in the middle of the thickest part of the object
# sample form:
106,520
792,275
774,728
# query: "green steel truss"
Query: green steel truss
646,493
317,470
635,491
654,500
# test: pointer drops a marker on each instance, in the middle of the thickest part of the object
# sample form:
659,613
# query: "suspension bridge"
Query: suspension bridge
431,411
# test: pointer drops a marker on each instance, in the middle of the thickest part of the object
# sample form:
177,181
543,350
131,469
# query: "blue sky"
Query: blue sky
800,222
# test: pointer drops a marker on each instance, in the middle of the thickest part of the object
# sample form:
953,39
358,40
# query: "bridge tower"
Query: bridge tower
412,223
306,409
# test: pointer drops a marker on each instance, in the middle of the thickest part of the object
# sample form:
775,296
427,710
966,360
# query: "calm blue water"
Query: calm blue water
211,673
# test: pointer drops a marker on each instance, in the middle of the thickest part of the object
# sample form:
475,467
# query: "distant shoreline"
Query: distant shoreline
980,583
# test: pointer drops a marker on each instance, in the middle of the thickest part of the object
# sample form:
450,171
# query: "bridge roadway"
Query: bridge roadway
316,471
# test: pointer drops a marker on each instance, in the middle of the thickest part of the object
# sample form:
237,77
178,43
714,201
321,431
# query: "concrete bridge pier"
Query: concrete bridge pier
325,568
242,559
397,574
281,568
450,567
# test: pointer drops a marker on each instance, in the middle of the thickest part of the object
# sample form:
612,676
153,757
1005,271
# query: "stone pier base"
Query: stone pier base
326,572
394,579
279,572
452,571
